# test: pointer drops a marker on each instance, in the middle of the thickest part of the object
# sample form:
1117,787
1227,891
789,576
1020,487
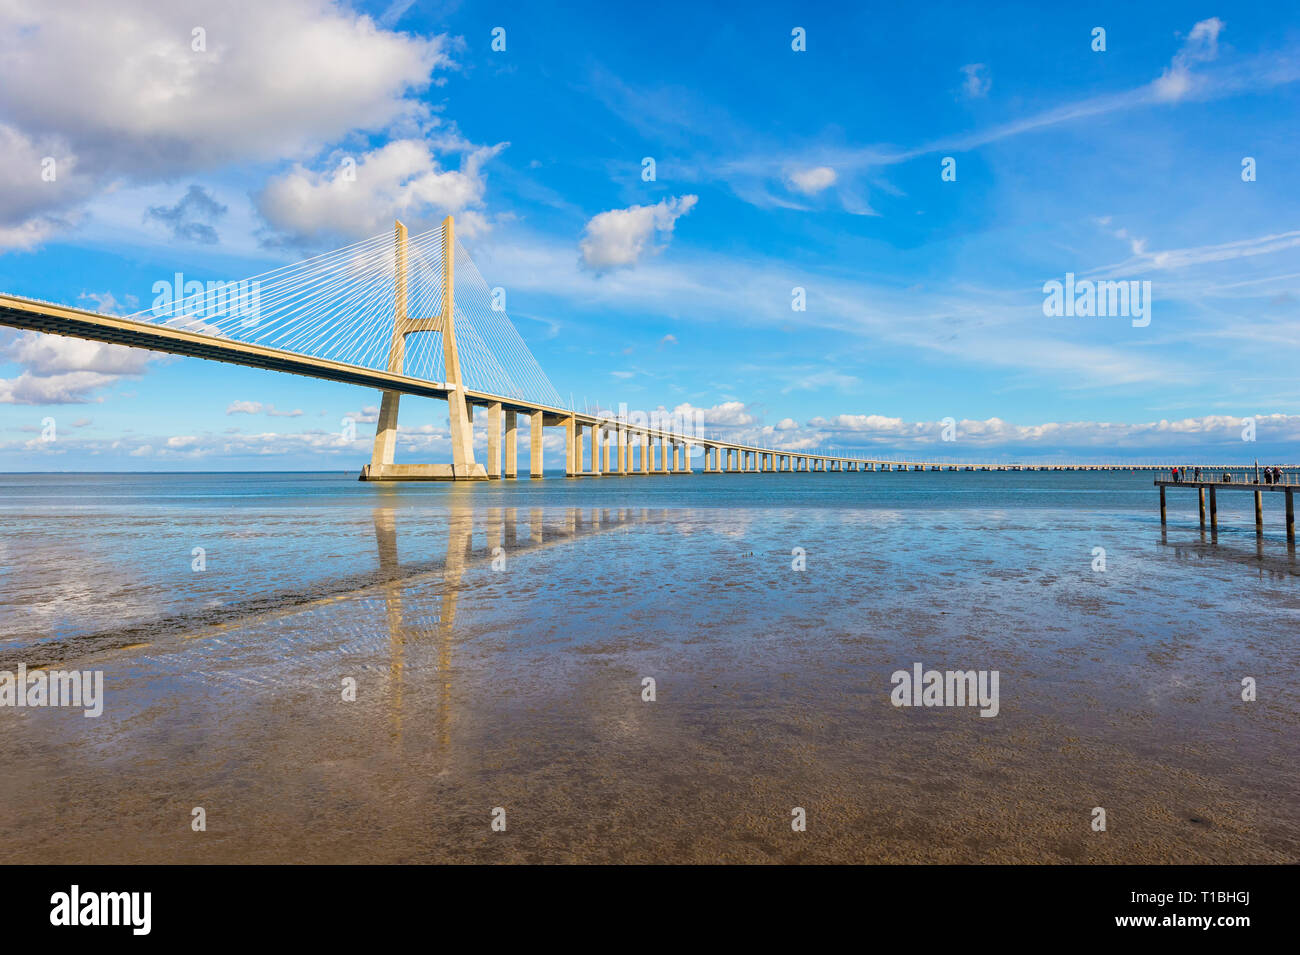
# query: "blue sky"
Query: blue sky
775,169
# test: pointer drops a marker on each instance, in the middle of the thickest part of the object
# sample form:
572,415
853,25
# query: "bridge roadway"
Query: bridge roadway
720,456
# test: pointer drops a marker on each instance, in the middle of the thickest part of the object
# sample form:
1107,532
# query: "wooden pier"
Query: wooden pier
1215,486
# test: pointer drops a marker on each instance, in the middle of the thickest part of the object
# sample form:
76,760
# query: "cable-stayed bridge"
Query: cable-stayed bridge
412,315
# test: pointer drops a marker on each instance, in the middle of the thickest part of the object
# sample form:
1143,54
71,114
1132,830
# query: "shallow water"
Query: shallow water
514,678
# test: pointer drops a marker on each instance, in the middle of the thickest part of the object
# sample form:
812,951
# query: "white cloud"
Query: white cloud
728,414
278,79
812,180
1201,45
45,354
367,415
256,407
402,179
975,435
620,237
977,80
64,389
1170,259
58,370
106,303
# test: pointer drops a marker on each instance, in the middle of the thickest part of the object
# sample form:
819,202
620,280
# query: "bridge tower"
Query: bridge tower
463,466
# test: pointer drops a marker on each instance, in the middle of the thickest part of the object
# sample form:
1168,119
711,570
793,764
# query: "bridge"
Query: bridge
347,316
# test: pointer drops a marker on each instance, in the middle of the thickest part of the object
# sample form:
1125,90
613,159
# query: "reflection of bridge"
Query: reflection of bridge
507,533
346,316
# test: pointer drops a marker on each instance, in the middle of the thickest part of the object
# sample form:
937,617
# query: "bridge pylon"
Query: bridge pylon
463,466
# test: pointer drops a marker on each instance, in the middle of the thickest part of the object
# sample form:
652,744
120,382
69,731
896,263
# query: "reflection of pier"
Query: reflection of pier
1215,486
504,531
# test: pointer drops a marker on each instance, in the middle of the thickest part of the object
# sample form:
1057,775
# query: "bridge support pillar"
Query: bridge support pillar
597,436
572,447
512,444
645,452
494,441
536,432
686,457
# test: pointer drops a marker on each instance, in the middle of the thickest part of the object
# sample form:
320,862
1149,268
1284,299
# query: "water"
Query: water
513,677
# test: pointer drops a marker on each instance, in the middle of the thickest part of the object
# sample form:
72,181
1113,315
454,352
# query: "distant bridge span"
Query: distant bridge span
299,312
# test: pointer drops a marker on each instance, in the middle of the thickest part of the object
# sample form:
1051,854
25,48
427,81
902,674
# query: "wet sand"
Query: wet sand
521,687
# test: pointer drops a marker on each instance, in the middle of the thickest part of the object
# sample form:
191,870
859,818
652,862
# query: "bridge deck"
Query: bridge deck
52,318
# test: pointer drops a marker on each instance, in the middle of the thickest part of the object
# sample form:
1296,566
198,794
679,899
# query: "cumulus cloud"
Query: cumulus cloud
40,184
812,180
44,354
1201,45
193,218
402,179
274,79
59,370
1100,437
990,439
367,415
728,414
620,238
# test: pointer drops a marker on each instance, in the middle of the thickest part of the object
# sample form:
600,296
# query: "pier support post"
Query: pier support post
535,445
1214,511
1290,518
512,444
1162,504
1259,512
1200,493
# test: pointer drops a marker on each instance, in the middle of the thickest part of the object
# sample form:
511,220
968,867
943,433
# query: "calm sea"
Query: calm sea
500,635
84,554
